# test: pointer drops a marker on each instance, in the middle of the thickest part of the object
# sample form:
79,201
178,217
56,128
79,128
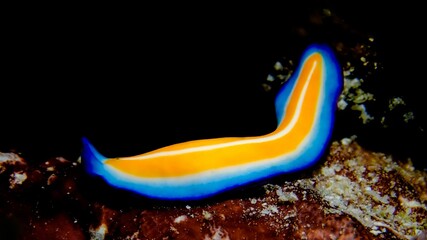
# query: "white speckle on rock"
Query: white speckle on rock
278,66
270,78
217,234
286,196
394,102
269,210
180,219
363,113
207,215
17,179
342,104
347,141
50,169
9,157
98,233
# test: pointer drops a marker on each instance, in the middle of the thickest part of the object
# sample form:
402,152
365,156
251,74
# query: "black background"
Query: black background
133,79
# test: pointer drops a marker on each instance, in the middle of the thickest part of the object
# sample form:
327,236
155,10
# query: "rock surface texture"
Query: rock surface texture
353,194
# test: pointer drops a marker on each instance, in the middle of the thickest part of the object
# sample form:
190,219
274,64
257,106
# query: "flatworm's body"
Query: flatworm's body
305,108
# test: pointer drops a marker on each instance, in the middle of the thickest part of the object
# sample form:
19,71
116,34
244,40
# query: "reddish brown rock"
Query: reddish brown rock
354,194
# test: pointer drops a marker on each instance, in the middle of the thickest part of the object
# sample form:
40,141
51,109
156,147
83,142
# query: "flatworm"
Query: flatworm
305,109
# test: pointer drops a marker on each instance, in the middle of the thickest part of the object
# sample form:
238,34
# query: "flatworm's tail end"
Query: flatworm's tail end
92,160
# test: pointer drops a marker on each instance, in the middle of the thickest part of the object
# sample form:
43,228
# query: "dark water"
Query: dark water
133,83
